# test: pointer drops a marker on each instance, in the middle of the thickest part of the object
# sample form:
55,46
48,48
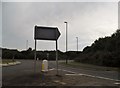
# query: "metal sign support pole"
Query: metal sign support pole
57,56
35,58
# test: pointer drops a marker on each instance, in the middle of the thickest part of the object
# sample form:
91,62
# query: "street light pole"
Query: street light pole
77,43
66,40
26,44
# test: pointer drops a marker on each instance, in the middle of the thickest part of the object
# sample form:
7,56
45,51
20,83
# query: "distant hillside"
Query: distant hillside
104,51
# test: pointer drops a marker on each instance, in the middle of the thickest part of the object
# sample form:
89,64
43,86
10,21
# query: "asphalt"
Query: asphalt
27,68
111,75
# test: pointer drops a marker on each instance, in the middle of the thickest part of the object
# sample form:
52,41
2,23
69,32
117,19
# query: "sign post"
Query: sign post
35,58
57,56
46,33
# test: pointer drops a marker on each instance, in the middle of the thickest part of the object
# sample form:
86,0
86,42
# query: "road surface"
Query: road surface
27,67
112,75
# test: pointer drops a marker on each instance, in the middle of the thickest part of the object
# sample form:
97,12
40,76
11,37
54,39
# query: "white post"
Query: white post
66,40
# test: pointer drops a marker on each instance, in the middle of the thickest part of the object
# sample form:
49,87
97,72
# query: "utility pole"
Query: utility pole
66,39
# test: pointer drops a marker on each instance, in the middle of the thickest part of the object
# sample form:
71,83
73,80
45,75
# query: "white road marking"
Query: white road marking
69,71
91,75
51,69
57,81
63,83
117,83
74,74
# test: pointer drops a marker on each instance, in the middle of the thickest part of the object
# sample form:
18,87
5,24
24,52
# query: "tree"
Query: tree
104,51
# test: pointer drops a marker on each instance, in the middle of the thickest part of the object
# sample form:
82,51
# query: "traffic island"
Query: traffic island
9,64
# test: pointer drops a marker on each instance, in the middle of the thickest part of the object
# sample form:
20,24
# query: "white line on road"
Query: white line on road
51,69
117,83
90,75
68,71
74,74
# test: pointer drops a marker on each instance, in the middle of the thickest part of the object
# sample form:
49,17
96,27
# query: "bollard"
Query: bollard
44,66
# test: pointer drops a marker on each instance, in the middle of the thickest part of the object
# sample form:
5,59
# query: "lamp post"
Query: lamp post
66,39
26,44
77,43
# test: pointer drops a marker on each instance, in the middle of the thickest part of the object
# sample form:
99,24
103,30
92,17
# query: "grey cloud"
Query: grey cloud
87,20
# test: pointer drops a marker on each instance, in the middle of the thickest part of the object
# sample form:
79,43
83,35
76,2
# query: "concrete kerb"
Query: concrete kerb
10,64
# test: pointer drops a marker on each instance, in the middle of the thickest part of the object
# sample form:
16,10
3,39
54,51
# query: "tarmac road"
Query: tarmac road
27,67
111,75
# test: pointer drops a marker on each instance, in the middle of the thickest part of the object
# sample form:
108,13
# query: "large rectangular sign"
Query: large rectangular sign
46,33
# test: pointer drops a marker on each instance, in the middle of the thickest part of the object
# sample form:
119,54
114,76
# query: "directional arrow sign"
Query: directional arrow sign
46,33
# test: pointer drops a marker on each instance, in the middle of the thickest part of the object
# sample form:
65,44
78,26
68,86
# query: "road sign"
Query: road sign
46,33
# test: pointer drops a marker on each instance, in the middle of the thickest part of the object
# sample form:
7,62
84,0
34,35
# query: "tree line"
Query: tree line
104,51
29,54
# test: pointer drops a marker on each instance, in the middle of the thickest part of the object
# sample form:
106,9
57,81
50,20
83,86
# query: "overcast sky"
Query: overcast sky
86,20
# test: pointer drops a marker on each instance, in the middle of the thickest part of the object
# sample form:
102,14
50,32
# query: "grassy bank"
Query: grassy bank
89,66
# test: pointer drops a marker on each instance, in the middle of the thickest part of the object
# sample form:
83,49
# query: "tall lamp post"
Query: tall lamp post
26,44
77,43
66,39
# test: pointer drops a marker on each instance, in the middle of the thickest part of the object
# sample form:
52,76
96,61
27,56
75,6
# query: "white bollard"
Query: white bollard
37,58
44,65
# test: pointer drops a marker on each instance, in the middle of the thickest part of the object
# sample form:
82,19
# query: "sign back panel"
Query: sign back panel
46,33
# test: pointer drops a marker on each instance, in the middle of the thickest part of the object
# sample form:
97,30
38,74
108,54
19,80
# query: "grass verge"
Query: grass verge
6,61
89,66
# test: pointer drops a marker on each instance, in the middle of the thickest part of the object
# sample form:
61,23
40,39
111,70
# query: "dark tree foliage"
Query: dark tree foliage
29,54
104,51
